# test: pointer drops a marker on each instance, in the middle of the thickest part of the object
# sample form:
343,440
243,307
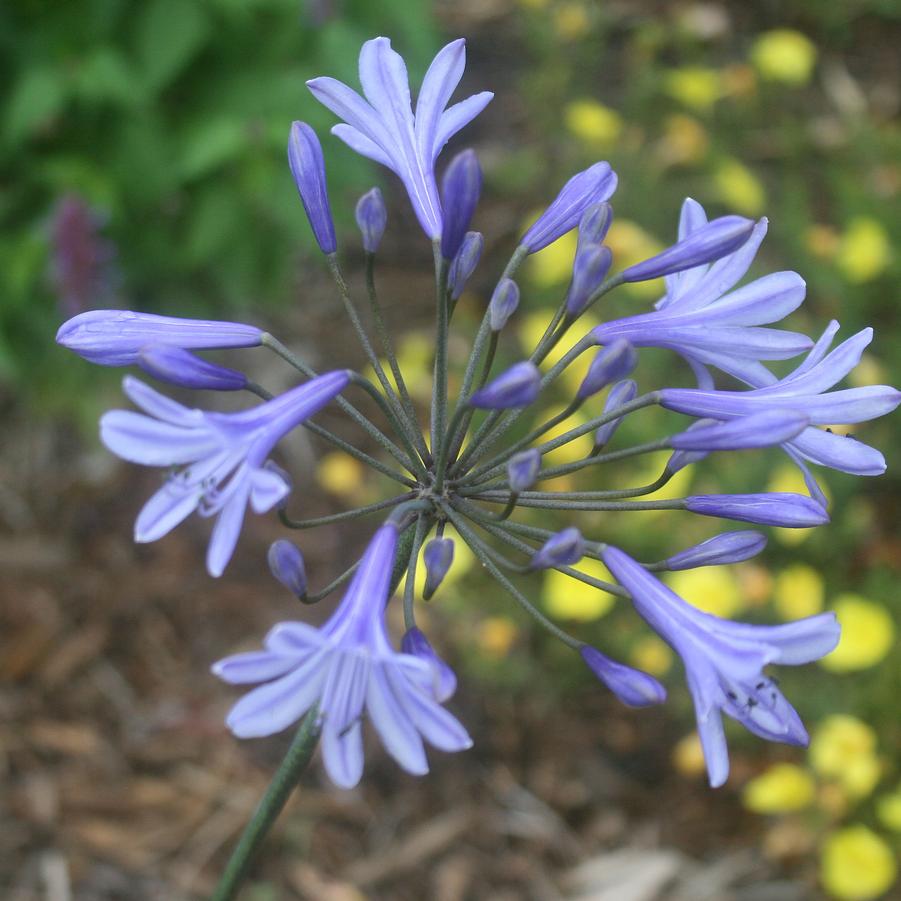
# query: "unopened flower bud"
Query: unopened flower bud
611,364
503,303
620,394
517,387
563,549
372,217
438,557
595,223
522,469
590,268
286,564
460,190
464,263
308,168
631,686
730,547
180,367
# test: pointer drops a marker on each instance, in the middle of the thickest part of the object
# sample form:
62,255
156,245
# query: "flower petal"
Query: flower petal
253,666
438,86
167,507
457,117
228,526
397,732
140,439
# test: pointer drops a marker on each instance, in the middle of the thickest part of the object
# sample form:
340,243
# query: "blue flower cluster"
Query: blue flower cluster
476,477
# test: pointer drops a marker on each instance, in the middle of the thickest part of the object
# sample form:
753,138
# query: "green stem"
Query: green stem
315,521
422,527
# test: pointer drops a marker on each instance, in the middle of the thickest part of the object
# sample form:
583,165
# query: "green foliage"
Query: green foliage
170,119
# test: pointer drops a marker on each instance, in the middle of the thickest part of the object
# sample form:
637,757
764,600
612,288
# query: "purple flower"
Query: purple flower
180,367
790,511
223,456
116,337
807,389
724,661
286,564
438,556
523,468
384,128
594,224
763,429
517,387
631,686
704,244
503,304
349,669
464,263
590,268
730,547
372,217
308,168
620,394
460,190
611,364
414,642
583,190
563,549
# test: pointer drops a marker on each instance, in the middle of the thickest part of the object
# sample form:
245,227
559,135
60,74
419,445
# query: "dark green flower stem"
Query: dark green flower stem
315,521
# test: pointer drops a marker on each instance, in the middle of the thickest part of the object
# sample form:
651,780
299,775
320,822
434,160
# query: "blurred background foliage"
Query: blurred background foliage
142,165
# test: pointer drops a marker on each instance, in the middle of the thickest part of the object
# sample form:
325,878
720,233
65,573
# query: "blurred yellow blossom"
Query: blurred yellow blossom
822,241
630,243
856,864
572,450
784,55
783,788
571,21
738,80
592,122
568,598
798,592
864,251
496,636
554,264
688,755
414,356
843,748
694,86
888,809
756,583
342,475
713,589
684,141
739,188
652,655
869,371
534,4
867,634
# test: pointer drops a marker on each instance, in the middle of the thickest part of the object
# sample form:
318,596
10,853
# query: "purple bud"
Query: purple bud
180,367
705,245
631,686
792,511
583,190
517,387
620,394
681,458
445,681
438,557
283,474
522,469
590,268
730,547
372,217
286,564
460,190
757,430
503,303
308,168
609,365
594,224
116,337
464,263
563,549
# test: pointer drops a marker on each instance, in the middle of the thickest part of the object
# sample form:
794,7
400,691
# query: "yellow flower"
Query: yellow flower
739,188
571,21
342,475
867,634
784,55
652,655
713,589
496,636
864,251
798,592
856,864
592,122
554,264
888,809
844,749
684,141
568,598
822,241
414,356
688,756
783,788
693,86
630,243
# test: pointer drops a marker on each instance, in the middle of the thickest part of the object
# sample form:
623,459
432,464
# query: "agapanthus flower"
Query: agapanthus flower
517,387
372,218
384,127
308,168
807,389
223,456
631,686
437,556
729,547
178,366
116,337
349,670
464,263
620,394
724,661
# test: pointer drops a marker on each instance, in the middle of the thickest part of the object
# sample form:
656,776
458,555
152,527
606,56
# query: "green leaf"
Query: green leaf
211,144
170,34
105,76
38,96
